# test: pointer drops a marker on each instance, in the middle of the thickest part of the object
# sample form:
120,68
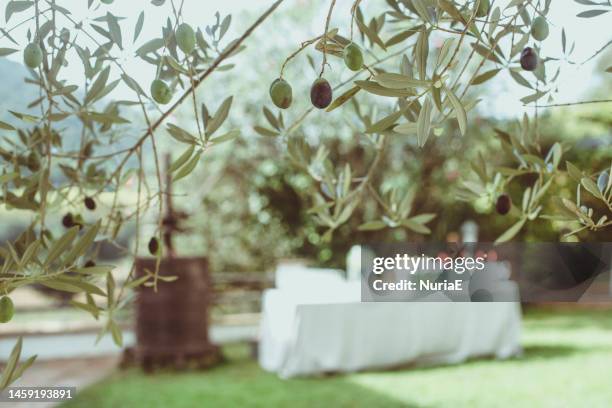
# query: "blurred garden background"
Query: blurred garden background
248,207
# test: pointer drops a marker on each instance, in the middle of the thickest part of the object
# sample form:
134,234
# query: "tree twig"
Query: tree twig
329,13
574,103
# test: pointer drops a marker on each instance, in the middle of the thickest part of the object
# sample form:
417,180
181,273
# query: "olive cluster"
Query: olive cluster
186,41
33,54
321,91
160,91
539,32
70,220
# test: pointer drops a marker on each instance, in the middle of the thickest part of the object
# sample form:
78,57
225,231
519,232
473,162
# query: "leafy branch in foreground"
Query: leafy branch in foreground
72,155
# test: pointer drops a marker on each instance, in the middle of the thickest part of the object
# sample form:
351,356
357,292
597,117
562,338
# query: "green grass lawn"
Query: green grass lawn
567,363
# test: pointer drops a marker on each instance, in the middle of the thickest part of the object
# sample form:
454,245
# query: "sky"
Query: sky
589,35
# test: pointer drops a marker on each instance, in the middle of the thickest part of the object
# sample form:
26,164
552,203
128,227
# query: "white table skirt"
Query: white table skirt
317,333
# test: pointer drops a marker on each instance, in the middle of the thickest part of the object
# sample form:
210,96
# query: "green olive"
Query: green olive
353,58
539,28
32,55
281,93
6,309
273,82
106,1
160,92
185,38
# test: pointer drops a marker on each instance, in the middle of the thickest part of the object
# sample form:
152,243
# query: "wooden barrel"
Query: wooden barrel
172,322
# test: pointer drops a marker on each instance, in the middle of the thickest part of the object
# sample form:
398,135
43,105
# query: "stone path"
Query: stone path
76,372
83,345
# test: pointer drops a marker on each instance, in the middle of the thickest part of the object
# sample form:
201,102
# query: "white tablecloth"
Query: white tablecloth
332,331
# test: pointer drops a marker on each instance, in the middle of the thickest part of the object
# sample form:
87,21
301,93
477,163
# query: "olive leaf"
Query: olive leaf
459,110
407,128
182,159
485,52
219,117
424,123
416,226
399,81
188,167
83,243
452,11
72,286
12,372
372,226
482,78
115,333
421,9
226,137
6,126
92,309
421,52
181,134
97,86
95,270
150,46
511,232
14,6
386,122
533,97
61,245
138,26
423,218
402,36
573,171
377,89
271,118
114,29
372,35
444,51
591,13
591,187
342,99
265,132
7,51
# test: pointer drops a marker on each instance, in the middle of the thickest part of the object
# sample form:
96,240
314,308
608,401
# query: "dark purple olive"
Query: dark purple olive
321,93
529,59
503,204
153,246
90,204
89,264
68,221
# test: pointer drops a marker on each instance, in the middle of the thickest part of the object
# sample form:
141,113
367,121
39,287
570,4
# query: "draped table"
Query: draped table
308,332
